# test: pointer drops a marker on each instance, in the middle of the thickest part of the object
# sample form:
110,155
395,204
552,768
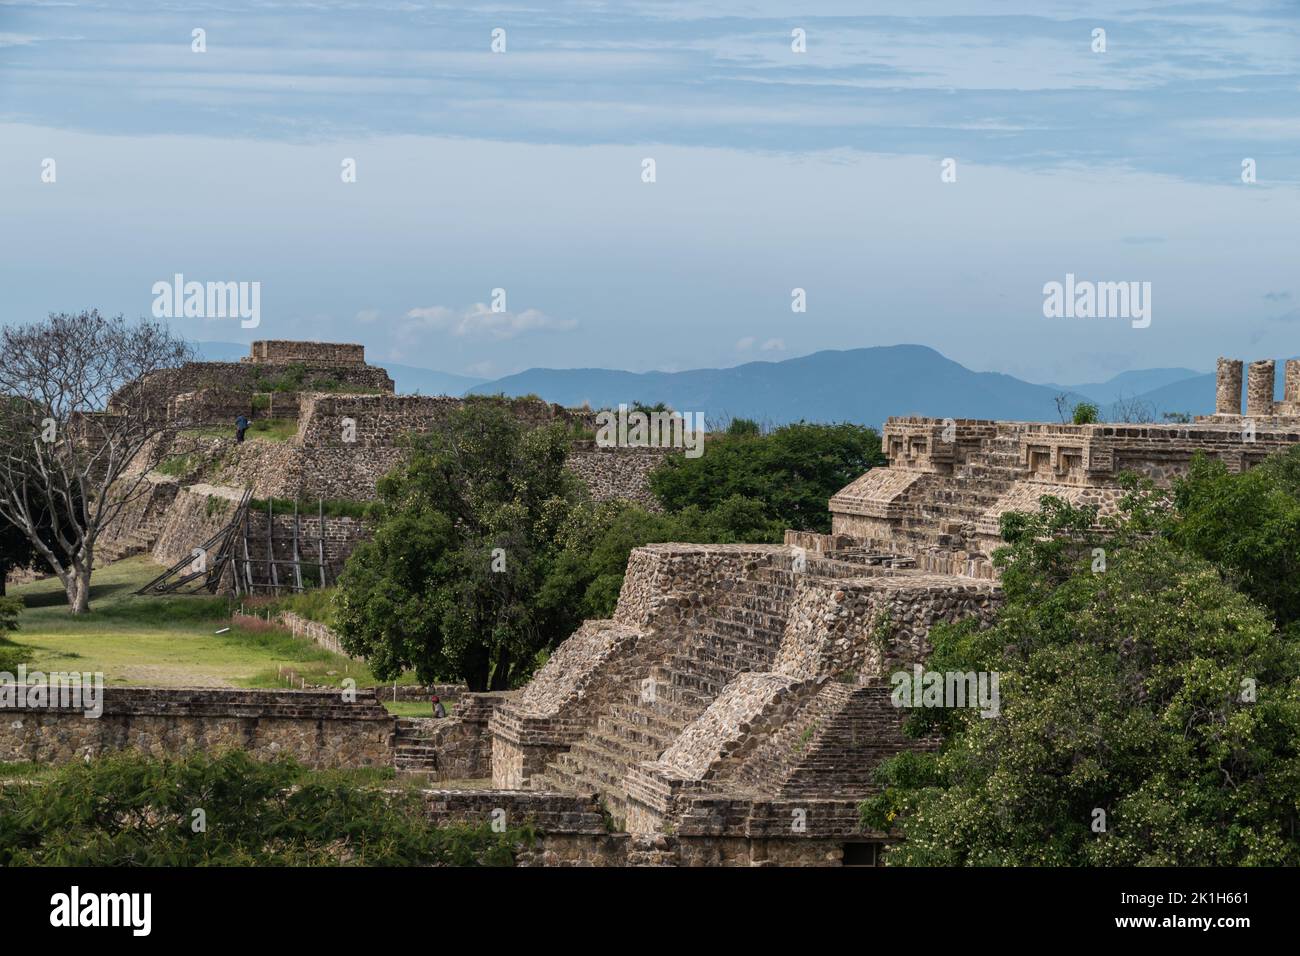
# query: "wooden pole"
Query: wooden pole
248,561
270,547
320,542
297,562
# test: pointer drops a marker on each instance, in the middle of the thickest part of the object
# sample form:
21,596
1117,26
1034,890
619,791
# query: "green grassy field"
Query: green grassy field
166,641
414,708
267,429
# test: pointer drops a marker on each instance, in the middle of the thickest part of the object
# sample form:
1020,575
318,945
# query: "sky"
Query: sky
774,170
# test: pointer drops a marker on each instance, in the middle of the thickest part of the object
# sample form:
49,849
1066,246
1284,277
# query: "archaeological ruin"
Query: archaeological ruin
344,424
733,709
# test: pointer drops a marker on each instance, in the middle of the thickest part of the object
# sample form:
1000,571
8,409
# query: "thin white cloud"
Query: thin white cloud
479,321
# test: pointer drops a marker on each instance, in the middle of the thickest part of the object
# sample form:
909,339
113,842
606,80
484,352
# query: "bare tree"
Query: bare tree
1064,408
1133,411
84,409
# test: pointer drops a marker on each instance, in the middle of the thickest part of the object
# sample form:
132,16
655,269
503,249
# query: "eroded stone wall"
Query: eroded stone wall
318,728
311,354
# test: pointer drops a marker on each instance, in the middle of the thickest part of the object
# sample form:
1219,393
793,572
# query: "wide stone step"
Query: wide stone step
587,777
649,733
569,780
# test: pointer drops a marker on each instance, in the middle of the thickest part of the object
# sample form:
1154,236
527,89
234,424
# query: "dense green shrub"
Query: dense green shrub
1086,413
790,472
130,810
1140,685
466,533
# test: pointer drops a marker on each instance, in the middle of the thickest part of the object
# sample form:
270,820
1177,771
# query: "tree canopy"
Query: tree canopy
466,533
792,471
1150,711
83,410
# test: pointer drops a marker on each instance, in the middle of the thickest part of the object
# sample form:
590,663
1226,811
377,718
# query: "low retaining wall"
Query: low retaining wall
463,741
573,831
318,728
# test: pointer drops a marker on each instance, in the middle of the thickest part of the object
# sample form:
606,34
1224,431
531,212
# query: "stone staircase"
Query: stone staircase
139,540
951,506
414,751
743,632
139,522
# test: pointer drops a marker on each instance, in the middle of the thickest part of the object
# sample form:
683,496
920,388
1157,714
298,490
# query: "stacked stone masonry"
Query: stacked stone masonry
318,728
739,693
949,481
347,438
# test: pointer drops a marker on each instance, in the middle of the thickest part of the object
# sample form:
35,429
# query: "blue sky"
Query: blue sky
775,170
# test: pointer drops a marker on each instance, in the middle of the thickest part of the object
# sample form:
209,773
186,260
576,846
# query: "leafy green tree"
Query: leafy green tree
466,533
11,654
792,471
1149,690
16,551
131,810
588,573
1249,525
1086,413
743,427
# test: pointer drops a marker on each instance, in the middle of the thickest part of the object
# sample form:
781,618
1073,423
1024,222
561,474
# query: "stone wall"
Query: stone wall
142,515
249,377
318,728
949,482
311,354
314,631
874,626
210,406
200,511
222,406
197,513
738,687
617,474
462,743
572,830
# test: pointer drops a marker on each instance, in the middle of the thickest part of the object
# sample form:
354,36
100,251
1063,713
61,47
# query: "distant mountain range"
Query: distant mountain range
855,385
859,385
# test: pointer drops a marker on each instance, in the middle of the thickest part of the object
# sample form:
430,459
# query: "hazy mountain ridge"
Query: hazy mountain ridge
864,385
860,385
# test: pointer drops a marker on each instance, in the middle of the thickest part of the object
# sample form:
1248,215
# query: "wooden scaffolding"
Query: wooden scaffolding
240,568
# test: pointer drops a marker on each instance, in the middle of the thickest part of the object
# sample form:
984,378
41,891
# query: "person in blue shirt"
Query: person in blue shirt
241,426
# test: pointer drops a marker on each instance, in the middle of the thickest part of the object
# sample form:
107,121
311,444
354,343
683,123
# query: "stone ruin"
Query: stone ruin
347,426
1260,392
939,502
735,707
738,701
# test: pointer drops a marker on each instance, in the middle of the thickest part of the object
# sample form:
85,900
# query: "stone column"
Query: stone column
1291,382
1227,399
1259,388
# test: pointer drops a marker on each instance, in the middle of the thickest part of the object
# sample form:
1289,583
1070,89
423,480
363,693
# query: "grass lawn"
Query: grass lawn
165,641
267,429
413,708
